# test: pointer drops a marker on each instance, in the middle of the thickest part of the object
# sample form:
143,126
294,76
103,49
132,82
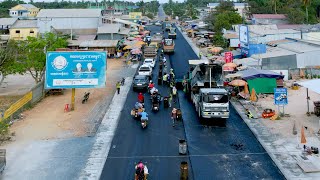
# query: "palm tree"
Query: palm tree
307,3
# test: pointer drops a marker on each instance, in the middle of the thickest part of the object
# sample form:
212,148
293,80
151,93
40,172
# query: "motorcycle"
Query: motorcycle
141,175
144,123
155,106
85,97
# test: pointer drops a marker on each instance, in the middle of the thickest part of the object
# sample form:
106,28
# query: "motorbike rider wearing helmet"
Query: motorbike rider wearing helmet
151,85
141,98
144,116
139,170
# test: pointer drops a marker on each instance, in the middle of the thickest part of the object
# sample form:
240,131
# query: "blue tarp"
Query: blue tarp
256,73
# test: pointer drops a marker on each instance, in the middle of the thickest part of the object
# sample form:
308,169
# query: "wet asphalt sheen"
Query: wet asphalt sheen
215,151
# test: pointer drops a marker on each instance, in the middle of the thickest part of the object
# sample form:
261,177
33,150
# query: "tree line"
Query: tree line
147,8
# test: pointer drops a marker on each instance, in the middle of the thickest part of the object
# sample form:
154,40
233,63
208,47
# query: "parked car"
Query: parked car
145,69
158,24
150,62
140,82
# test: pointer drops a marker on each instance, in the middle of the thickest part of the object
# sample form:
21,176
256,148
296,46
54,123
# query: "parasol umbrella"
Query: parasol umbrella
134,33
233,65
226,68
136,51
253,96
216,49
235,75
238,82
131,38
127,47
139,43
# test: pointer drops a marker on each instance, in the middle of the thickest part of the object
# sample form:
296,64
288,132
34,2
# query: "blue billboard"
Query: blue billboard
280,96
75,69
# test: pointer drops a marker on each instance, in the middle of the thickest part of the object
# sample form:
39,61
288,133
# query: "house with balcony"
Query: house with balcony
24,11
21,29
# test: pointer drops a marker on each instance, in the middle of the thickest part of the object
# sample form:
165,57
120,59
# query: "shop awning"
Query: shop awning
313,85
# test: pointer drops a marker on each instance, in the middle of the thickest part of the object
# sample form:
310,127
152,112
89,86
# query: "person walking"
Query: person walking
118,87
174,116
170,99
174,94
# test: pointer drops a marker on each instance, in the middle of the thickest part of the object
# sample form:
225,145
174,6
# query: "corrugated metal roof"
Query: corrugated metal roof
289,26
109,28
99,43
235,4
269,16
75,13
124,31
231,35
299,47
273,52
7,21
25,24
28,6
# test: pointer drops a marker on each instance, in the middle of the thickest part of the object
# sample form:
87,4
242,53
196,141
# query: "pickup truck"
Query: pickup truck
150,51
157,38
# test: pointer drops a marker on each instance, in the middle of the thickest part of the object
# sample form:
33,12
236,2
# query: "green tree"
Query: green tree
8,60
34,53
306,4
218,40
150,15
295,16
226,20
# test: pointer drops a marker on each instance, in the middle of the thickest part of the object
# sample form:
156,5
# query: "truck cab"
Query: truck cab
212,103
172,33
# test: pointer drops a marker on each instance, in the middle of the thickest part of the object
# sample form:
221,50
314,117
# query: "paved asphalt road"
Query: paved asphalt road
212,154
157,144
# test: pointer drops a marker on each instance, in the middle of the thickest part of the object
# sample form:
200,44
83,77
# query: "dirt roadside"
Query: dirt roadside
47,119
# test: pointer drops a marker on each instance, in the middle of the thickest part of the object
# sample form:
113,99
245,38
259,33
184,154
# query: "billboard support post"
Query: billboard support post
73,94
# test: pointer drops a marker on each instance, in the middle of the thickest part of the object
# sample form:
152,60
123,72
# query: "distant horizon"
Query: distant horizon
93,1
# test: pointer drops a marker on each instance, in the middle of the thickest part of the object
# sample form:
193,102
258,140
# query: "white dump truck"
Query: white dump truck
206,90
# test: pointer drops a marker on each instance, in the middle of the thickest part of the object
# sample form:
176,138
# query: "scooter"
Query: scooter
85,97
144,123
143,176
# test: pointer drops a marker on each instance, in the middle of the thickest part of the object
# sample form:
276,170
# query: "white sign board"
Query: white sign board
244,34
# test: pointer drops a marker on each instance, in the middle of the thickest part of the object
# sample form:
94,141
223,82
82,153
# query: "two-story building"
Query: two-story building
24,11
72,21
241,8
21,29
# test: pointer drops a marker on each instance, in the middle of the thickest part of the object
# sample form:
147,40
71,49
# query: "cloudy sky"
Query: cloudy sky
161,1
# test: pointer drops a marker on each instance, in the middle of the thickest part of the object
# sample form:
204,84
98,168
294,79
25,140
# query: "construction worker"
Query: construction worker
165,79
184,84
249,114
118,87
200,55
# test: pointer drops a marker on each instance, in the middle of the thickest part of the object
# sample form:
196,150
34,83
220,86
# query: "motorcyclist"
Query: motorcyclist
138,105
141,98
144,116
151,85
139,170
164,60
